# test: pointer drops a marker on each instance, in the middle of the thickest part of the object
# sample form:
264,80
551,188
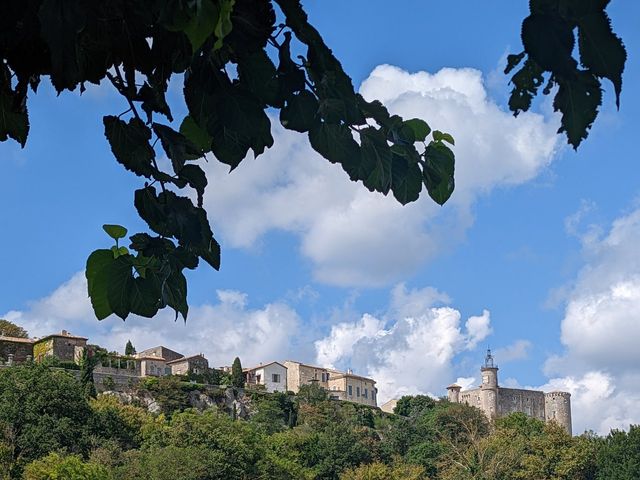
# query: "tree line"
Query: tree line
51,429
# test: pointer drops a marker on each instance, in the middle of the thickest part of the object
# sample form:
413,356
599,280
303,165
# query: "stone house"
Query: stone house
15,349
273,376
352,388
194,364
152,366
340,385
299,374
496,401
160,352
63,346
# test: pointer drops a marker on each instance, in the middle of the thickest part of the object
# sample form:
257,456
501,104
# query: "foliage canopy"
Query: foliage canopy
140,45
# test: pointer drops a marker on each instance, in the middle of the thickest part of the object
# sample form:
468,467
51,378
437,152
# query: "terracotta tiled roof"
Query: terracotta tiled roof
262,366
182,359
4,338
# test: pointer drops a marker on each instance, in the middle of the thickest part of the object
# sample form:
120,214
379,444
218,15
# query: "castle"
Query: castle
496,401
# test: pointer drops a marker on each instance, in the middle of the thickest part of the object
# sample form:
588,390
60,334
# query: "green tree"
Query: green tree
411,405
40,411
129,349
10,329
312,393
90,358
71,467
113,421
235,445
381,471
618,455
237,375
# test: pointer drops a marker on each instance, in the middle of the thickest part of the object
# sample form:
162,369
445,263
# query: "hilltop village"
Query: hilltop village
121,372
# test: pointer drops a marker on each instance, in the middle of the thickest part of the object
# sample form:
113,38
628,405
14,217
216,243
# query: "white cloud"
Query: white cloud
600,329
220,330
518,350
352,236
406,355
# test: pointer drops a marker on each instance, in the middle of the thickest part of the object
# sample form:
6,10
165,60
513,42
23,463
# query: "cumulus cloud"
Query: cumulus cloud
221,330
518,350
600,329
408,354
354,237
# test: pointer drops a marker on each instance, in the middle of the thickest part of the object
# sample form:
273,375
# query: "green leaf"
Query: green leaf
172,216
438,172
375,167
223,26
300,112
258,74
336,144
578,101
601,50
513,61
60,23
130,144
120,283
526,82
199,137
406,176
178,148
196,179
117,251
439,136
174,293
115,231
202,23
549,41
153,100
96,272
419,127
231,115
144,297
14,119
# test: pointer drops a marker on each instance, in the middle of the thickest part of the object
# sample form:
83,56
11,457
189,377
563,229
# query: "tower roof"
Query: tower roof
488,360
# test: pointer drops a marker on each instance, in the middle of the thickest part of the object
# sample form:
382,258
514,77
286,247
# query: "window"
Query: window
366,394
275,377
350,391
357,391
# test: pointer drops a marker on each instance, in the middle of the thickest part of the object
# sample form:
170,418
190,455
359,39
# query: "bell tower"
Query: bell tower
489,387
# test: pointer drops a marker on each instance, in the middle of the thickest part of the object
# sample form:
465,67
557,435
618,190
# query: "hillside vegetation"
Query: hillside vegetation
50,430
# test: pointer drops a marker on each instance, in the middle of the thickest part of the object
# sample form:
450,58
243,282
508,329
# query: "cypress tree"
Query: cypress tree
237,376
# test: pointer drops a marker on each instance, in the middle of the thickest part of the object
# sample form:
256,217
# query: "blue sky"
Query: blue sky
534,255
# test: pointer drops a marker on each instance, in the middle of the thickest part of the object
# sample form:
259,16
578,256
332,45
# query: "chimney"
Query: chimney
65,333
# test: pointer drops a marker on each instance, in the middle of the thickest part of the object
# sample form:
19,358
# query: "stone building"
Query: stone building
160,352
194,364
63,346
152,366
340,385
15,349
496,401
353,388
273,376
299,374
